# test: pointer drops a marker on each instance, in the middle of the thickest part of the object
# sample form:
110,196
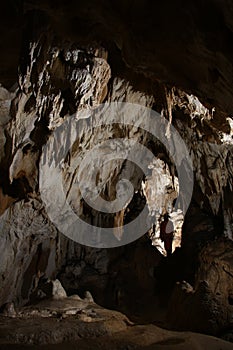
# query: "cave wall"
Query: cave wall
64,66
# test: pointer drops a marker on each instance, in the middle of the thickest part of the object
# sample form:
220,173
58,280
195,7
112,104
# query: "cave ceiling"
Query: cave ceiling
188,44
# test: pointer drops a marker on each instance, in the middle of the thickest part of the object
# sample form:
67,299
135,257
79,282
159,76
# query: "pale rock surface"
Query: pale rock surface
58,292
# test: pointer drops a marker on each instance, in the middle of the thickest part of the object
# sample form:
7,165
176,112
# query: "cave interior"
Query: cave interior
63,66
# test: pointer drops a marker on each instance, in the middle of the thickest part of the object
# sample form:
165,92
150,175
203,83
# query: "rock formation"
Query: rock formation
74,57
76,322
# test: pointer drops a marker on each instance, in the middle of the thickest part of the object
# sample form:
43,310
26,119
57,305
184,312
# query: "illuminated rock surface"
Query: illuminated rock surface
74,57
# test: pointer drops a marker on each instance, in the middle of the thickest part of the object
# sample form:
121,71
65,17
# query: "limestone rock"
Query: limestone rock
208,306
73,323
62,73
58,292
199,310
88,297
8,310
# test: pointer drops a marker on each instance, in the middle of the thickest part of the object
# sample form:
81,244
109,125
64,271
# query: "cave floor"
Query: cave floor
75,323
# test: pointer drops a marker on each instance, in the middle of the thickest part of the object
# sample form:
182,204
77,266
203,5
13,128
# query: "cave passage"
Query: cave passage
112,115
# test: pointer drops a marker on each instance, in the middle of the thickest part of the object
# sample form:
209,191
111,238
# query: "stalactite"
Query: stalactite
118,224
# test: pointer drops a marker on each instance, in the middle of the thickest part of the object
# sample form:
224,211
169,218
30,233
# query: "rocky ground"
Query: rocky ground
75,323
